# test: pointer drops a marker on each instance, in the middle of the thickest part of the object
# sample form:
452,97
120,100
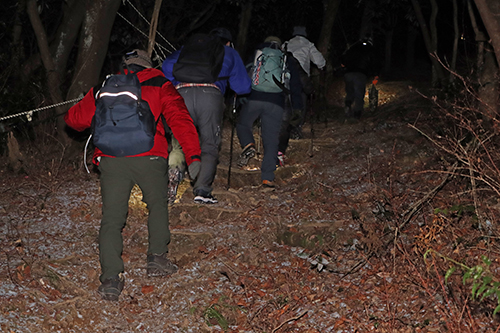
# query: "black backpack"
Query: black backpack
200,60
123,124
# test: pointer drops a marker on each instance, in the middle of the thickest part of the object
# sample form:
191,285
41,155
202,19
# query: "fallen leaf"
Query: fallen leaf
146,289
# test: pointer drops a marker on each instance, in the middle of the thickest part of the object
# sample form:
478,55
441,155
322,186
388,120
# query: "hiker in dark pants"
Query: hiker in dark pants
205,102
268,106
292,119
148,170
358,63
304,53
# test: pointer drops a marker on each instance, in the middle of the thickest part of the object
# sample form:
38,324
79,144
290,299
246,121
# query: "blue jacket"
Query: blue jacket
232,67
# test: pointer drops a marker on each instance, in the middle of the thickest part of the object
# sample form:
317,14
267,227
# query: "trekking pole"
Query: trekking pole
311,112
232,120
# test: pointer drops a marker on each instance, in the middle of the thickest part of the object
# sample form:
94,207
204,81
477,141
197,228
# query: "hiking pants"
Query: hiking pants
286,127
355,88
206,107
270,115
307,90
118,177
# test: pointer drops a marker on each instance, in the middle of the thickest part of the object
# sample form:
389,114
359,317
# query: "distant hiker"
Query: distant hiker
304,52
359,63
266,101
202,83
148,170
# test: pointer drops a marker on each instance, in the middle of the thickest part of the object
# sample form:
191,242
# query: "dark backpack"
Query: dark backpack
123,124
269,70
200,60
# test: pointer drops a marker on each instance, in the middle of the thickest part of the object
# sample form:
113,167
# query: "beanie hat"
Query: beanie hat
222,33
138,57
299,30
273,39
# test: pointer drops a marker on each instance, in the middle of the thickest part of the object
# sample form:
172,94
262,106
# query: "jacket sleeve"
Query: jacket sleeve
178,119
79,116
316,57
239,81
168,66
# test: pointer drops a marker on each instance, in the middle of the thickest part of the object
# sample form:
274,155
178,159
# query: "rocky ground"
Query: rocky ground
357,237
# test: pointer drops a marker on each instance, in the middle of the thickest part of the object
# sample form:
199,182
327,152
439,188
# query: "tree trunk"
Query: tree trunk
62,43
53,80
429,42
324,46
480,36
488,91
93,44
453,65
490,13
152,28
437,70
67,33
245,17
330,13
17,49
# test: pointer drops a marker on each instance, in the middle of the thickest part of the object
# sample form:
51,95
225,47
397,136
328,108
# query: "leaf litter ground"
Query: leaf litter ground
321,253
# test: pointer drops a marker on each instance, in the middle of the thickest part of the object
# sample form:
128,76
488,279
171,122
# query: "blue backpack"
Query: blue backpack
123,124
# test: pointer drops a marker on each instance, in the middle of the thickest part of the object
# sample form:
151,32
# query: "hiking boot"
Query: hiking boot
203,197
268,184
296,134
174,179
160,265
112,287
281,159
245,156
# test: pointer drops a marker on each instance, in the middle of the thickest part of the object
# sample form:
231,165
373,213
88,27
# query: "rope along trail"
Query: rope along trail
30,113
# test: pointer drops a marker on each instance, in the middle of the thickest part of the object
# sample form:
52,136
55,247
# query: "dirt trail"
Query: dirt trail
314,255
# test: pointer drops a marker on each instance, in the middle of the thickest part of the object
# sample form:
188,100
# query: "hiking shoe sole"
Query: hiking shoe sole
155,269
109,294
245,157
160,265
268,184
111,288
205,200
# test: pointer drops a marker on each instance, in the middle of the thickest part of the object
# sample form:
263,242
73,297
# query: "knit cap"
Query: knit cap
299,30
273,39
138,57
223,33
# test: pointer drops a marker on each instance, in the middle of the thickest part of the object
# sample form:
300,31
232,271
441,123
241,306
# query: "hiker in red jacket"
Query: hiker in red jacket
148,170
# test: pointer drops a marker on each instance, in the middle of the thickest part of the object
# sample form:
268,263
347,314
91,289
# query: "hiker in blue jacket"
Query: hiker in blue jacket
268,106
205,102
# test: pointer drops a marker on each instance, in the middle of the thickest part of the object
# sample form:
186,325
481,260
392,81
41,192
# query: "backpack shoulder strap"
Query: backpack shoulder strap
156,81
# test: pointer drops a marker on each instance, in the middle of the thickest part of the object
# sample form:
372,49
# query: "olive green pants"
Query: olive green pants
118,177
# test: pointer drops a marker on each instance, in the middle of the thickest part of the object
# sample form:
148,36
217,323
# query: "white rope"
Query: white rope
145,19
161,47
30,113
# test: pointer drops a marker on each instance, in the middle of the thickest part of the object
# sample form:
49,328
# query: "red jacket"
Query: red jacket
162,100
